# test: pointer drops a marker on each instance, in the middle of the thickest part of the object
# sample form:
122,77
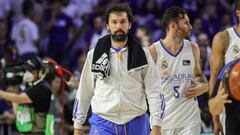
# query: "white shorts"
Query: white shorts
192,129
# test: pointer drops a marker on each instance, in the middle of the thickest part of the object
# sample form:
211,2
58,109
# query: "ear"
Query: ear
107,26
238,13
171,25
130,26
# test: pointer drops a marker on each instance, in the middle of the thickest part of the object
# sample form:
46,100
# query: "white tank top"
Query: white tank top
176,74
233,51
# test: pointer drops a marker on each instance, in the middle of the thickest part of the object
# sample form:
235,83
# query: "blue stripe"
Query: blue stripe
220,76
234,28
162,106
169,51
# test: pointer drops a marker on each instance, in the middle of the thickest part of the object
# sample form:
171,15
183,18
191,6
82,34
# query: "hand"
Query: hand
218,128
78,132
156,130
196,89
219,101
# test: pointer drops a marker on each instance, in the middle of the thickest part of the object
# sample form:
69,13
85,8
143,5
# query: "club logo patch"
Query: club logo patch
235,49
186,62
164,64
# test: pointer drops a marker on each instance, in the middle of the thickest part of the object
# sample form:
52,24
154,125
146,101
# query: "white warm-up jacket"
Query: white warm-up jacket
122,95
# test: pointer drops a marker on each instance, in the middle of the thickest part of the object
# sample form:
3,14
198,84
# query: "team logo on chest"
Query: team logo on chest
235,49
186,63
164,64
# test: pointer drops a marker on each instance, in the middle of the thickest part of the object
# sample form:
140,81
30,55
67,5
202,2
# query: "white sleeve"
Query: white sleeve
34,30
153,92
84,94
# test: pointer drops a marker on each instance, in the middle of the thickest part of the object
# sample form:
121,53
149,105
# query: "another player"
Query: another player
177,61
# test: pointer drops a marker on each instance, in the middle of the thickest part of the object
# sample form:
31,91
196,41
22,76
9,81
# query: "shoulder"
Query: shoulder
152,49
153,52
30,24
221,41
194,46
222,37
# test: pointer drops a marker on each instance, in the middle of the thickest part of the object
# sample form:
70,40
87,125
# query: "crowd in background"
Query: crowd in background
66,30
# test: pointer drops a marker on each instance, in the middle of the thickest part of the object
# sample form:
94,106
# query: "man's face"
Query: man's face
184,27
118,25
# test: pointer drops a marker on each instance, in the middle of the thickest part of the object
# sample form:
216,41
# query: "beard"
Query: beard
119,37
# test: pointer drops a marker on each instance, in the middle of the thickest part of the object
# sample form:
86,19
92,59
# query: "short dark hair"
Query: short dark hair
119,7
27,7
172,14
237,4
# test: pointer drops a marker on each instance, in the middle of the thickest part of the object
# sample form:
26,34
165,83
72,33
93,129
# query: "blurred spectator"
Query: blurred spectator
197,29
16,10
210,20
25,33
4,43
97,32
157,32
143,34
4,9
149,7
7,113
205,51
226,22
60,27
192,7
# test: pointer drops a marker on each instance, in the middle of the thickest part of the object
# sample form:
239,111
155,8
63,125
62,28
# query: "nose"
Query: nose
190,27
119,25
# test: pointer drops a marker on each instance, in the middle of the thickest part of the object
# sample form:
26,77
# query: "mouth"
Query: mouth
119,32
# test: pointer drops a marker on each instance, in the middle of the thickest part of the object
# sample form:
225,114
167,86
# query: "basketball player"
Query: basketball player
220,99
225,48
117,77
177,61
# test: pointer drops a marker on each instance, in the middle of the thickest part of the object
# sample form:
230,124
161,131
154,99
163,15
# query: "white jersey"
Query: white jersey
24,33
233,51
176,73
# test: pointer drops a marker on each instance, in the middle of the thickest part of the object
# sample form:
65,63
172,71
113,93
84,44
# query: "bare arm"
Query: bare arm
199,84
153,52
219,45
199,76
13,97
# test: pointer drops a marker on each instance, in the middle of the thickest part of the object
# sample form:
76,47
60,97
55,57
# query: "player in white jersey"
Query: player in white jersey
225,48
177,61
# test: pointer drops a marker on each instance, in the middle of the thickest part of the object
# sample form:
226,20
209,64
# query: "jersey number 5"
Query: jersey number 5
176,92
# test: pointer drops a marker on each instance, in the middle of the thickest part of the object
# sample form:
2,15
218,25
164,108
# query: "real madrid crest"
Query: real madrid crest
235,48
164,64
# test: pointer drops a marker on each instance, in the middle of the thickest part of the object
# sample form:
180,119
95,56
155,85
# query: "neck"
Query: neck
172,44
173,40
118,44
